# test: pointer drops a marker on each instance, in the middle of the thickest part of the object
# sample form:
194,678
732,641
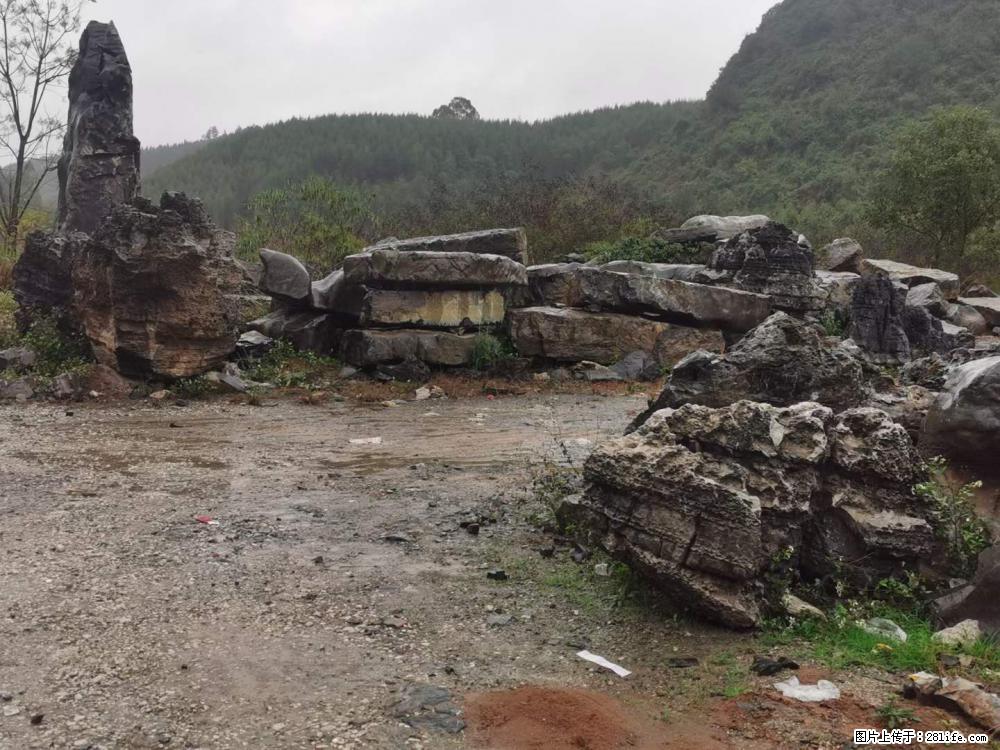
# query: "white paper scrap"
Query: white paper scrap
602,662
367,441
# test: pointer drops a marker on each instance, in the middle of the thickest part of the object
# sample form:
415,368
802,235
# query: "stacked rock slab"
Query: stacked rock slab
427,298
700,499
602,314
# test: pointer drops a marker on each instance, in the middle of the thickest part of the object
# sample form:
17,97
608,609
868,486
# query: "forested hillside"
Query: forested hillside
794,126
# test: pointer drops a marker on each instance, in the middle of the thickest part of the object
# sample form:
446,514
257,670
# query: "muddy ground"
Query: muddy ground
338,576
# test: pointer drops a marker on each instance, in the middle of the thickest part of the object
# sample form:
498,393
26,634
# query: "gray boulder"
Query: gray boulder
843,255
969,318
511,243
977,291
638,365
782,362
284,277
929,296
700,499
964,422
99,168
725,227
911,276
976,600
771,260
927,334
43,283
555,285
369,348
392,268
988,307
692,273
335,294
308,331
20,389
17,358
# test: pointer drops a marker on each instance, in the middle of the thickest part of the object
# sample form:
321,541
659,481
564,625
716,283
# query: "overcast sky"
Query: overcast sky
199,63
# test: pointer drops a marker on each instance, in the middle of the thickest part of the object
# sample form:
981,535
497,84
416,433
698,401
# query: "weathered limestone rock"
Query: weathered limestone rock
877,319
969,318
783,361
576,335
912,276
927,334
988,307
692,273
555,284
964,423
155,289
432,268
770,260
17,358
928,296
457,308
701,499
309,331
844,255
725,227
674,301
284,277
511,243
837,290
43,281
368,348
99,168
337,295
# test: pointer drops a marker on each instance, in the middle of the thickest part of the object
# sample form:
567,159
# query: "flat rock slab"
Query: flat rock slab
691,272
390,268
674,301
913,276
988,307
511,243
284,276
368,348
570,335
461,308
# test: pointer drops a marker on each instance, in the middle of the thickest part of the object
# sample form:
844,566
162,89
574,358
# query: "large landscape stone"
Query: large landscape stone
511,243
775,261
693,273
878,309
700,500
674,301
335,294
99,168
555,284
570,335
155,290
988,307
927,334
843,256
284,276
964,422
389,268
308,331
913,276
782,362
368,348
456,308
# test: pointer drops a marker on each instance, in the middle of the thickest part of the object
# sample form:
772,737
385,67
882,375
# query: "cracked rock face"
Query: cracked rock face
99,168
700,499
156,290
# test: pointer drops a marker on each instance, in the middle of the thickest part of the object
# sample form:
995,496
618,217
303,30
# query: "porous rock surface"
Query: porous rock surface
700,499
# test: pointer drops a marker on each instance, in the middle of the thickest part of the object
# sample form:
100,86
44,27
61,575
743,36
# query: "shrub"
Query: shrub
647,250
956,524
489,351
8,326
286,367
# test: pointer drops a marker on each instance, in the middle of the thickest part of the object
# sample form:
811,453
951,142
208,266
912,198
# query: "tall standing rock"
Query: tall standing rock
99,168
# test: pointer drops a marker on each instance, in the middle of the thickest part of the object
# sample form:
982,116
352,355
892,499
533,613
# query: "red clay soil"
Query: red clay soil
538,718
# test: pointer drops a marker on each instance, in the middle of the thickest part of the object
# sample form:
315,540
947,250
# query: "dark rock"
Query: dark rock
877,319
682,662
410,370
927,334
428,707
368,348
155,287
911,276
497,575
99,168
395,268
18,358
843,255
976,600
967,317
782,362
335,294
766,667
638,366
307,331
43,277
284,277
964,422
929,372
988,307
980,291
568,335
253,345
554,285
699,500
770,260
16,390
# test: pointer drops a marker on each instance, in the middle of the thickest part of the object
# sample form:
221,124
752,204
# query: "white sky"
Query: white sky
199,63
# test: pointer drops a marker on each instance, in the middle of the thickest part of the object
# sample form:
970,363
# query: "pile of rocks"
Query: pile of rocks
417,299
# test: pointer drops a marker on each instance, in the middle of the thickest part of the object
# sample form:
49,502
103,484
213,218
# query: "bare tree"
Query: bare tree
36,53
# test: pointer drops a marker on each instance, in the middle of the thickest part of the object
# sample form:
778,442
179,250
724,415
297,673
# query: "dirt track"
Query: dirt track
338,576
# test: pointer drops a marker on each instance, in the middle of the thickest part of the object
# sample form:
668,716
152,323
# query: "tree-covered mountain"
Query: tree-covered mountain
794,126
